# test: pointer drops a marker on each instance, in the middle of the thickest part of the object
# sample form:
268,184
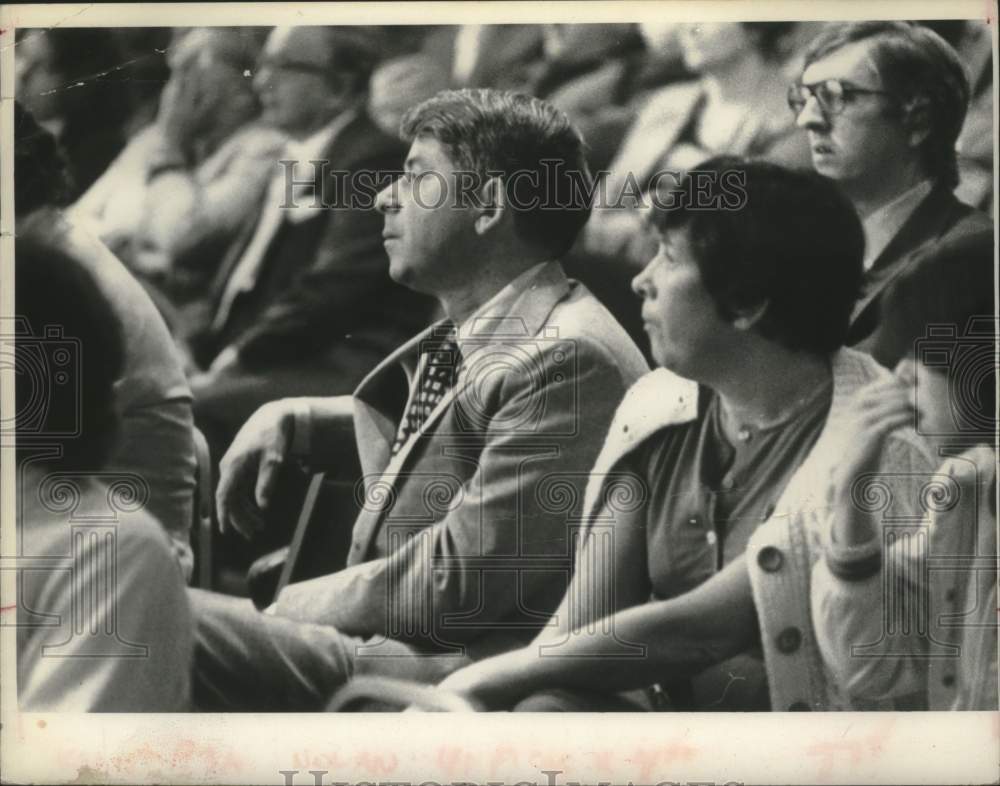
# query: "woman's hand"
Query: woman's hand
495,683
874,412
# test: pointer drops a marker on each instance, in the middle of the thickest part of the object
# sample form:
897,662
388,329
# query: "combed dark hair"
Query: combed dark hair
493,132
41,175
54,292
923,74
792,240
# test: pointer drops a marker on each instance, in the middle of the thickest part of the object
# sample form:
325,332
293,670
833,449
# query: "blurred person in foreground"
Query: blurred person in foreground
171,202
882,104
103,623
696,582
903,609
152,395
472,435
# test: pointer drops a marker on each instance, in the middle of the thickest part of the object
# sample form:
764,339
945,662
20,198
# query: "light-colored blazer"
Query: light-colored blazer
462,536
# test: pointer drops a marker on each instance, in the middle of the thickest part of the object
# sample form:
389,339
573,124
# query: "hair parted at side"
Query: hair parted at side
923,74
794,243
532,146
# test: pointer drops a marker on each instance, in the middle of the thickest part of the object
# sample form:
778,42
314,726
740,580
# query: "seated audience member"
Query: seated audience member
172,201
152,395
144,51
944,595
883,103
303,303
103,623
975,143
704,566
733,108
71,80
493,56
461,432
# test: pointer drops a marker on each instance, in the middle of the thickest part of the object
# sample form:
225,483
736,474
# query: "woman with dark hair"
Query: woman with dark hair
704,510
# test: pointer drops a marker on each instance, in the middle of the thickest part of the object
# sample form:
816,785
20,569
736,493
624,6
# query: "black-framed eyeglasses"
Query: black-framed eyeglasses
832,94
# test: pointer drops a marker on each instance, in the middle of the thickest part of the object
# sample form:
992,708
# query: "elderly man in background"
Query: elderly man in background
302,303
883,104
169,205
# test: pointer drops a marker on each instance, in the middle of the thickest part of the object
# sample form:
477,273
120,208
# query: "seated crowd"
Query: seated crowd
436,264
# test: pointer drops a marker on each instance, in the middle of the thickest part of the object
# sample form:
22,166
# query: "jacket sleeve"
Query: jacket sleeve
473,568
872,630
349,274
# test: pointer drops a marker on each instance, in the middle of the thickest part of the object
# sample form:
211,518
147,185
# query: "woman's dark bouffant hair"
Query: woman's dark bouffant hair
68,357
762,234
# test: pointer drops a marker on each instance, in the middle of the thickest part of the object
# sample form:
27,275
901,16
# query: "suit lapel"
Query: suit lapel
520,321
932,218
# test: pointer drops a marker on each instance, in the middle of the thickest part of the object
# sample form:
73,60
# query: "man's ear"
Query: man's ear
747,318
492,205
917,120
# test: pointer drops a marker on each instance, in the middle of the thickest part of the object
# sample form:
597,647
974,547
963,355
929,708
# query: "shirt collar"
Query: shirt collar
481,323
882,225
313,146
303,152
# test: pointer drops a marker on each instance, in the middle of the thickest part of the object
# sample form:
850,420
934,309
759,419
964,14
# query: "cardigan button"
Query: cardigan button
950,595
770,559
789,640
948,680
799,706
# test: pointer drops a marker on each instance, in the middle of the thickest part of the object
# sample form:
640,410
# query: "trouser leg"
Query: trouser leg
246,660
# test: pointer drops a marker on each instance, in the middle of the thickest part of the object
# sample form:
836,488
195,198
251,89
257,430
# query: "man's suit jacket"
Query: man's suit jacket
323,294
939,219
464,536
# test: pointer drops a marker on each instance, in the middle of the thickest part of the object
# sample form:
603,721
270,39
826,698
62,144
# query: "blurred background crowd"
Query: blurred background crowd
167,150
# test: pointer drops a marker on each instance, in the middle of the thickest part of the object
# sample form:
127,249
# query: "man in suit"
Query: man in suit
883,104
475,437
303,303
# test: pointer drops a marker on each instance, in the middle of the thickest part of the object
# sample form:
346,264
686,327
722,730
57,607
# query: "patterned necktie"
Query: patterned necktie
440,369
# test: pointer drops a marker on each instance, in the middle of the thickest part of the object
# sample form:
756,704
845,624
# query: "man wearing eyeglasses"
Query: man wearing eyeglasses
883,104
303,303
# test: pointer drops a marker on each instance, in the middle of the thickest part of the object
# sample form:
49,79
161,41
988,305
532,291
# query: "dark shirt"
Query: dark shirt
707,496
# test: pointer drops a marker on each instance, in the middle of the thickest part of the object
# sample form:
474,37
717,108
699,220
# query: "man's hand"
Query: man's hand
249,471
